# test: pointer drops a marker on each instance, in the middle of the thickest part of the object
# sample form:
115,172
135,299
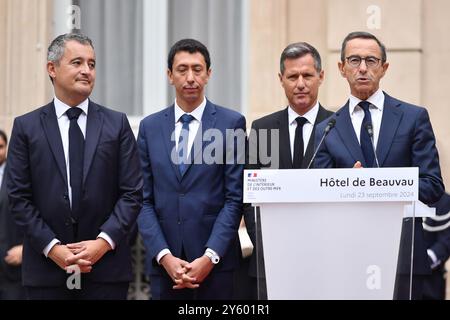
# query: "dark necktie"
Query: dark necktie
365,141
76,156
183,143
298,143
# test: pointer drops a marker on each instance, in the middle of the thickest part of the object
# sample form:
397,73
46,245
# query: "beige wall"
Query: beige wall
24,36
416,33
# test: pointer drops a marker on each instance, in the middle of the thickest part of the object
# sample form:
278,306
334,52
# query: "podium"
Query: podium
332,233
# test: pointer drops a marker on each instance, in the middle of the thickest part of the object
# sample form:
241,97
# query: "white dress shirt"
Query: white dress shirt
64,124
311,116
376,112
197,113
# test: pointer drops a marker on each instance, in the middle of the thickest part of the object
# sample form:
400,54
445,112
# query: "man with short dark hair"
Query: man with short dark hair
192,206
74,184
402,135
287,135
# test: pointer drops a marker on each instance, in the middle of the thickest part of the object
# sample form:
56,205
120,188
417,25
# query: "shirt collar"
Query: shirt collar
311,115
377,100
197,113
61,107
2,168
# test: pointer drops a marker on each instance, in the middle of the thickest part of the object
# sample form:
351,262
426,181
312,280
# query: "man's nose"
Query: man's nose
190,76
85,68
300,82
363,66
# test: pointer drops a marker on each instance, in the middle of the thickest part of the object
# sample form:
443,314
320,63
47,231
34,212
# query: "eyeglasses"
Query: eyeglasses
355,61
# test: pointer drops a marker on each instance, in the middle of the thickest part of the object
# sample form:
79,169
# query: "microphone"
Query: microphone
330,125
369,128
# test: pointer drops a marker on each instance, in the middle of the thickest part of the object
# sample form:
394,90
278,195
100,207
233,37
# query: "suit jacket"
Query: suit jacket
10,236
276,121
406,139
37,183
202,208
439,241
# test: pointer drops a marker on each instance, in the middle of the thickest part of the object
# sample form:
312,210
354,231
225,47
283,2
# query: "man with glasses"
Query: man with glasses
402,137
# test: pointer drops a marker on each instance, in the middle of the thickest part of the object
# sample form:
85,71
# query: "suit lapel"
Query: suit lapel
389,124
347,133
51,130
284,143
322,114
94,126
168,129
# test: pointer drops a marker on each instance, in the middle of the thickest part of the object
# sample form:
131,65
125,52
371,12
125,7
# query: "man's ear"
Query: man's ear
341,68
321,76
51,69
385,67
170,76
280,77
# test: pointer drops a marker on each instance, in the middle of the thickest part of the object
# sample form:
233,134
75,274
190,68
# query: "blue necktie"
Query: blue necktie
365,141
76,156
183,151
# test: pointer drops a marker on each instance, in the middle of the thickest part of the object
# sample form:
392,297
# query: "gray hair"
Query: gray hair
363,35
56,49
298,50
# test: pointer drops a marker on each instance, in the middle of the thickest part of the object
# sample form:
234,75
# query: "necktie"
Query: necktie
298,143
183,143
365,141
76,156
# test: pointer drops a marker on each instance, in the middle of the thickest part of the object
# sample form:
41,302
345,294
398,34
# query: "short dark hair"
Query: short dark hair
56,49
298,50
191,46
363,35
4,136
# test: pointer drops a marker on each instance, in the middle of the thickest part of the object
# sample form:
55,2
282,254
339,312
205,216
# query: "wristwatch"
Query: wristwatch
213,257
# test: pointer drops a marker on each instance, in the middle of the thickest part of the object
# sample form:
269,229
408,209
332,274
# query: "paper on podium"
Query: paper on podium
422,210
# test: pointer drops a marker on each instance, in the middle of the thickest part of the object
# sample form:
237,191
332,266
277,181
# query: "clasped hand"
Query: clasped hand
82,255
186,274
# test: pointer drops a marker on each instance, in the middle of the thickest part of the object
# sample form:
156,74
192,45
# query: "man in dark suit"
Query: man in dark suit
10,239
437,239
192,205
74,184
289,132
403,137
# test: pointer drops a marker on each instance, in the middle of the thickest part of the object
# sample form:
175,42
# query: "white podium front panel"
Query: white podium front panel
341,252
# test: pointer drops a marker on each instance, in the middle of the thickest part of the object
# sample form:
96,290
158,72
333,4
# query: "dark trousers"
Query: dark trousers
402,287
434,285
216,286
12,290
88,291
